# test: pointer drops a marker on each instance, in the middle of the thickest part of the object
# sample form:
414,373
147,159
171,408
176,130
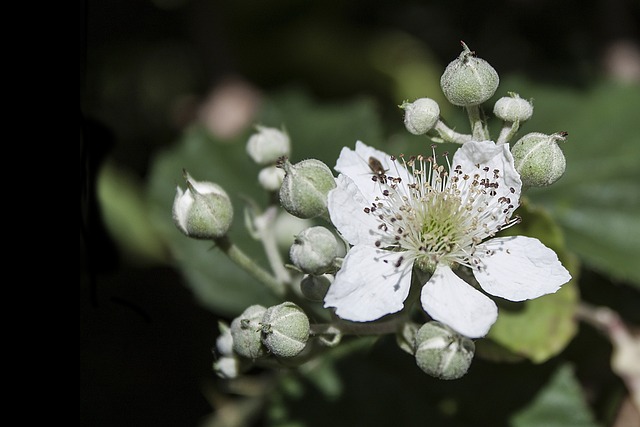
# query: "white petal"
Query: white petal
474,156
355,165
519,268
452,301
369,285
181,204
346,208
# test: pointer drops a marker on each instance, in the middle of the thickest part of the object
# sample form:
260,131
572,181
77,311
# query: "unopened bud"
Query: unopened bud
270,178
315,288
227,367
285,329
538,159
469,80
421,115
305,187
246,330
268,145
314,250
513,108
203,211
442,352
406,337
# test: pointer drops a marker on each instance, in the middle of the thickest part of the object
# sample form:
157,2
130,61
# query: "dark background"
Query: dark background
145,343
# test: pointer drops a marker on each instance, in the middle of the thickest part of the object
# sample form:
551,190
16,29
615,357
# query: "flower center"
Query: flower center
441,215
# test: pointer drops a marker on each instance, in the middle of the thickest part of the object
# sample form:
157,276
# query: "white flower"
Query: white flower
398,214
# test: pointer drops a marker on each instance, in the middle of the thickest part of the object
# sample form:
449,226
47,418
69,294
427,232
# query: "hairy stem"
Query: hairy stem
243,261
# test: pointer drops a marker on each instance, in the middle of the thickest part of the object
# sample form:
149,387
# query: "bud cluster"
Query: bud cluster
281,331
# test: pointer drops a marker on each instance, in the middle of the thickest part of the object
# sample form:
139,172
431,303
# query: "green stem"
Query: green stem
267,236
509,129
359,328
449,135
243,261
478,126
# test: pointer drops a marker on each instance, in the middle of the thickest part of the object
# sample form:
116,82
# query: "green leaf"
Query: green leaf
318,131
541,328
597,201
126,215
560,403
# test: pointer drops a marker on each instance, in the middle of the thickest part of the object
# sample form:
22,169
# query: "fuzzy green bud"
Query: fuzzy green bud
305,187
468,80
315,288
406,337
314,250
513,108
286,227
203,211
246,333
538,158
443,353
285,329
421,115
268,145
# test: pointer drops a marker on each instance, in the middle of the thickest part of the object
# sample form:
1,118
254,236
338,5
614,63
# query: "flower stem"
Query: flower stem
358,328
266,234
449,135
478,125
243,261
509,129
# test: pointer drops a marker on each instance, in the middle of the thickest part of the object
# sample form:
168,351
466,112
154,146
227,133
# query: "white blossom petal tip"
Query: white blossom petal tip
452,301
519,268
370,285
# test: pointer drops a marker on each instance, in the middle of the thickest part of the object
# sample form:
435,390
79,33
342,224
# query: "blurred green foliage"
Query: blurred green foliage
560,403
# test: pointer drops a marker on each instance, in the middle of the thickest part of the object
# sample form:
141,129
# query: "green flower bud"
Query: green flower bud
305,187
314,250
203,211
270,178
442,352
315,288
421,115
513,108
406,337
538,159
246,330
285,329
469,80
287,227
268,145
